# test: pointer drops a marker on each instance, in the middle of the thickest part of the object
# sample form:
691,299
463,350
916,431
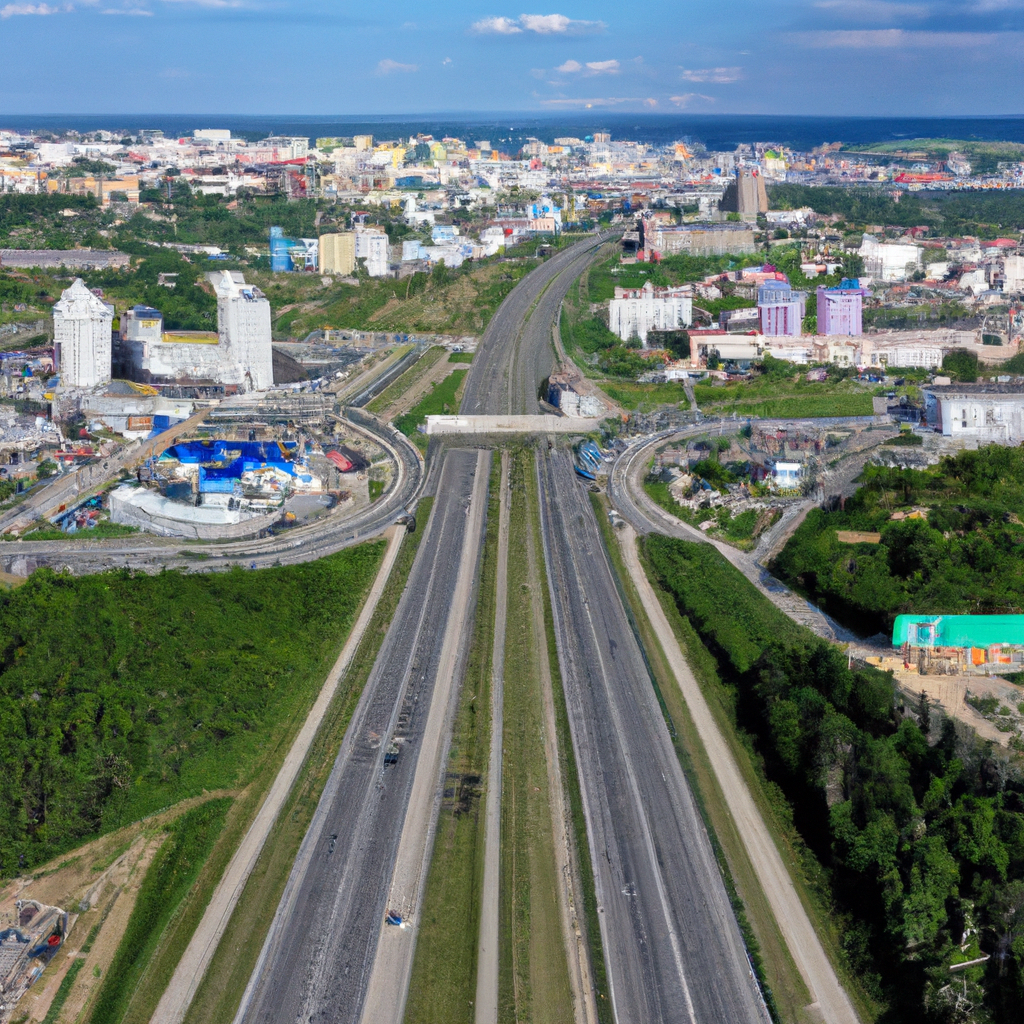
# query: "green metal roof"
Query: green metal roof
958,630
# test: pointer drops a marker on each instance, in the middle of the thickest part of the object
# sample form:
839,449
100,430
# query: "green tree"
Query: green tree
961,365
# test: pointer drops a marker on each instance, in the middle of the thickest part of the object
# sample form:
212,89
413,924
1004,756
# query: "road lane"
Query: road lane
672,945
316,962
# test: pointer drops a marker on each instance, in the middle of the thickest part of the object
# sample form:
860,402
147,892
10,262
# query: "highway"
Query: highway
516,353
317,961
301,544
672,946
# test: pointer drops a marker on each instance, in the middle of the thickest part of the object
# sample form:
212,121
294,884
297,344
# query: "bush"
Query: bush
961,365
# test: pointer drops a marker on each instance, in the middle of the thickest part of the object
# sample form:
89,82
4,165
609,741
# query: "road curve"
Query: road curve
672,945
515,353
302,544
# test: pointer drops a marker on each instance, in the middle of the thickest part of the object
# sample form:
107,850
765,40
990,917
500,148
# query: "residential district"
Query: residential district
221,353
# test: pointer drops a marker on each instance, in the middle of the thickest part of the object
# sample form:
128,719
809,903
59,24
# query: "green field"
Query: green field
441,399
150,689
405,380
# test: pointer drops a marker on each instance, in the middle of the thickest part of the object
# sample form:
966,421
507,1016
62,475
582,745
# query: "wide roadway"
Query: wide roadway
316,963
672,946
515,353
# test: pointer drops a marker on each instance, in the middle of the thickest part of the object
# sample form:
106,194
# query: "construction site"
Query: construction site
30,937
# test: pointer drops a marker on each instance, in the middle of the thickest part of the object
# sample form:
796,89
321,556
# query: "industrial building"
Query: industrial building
701,239
985,413
841,310
889,261
290,254
82,337
780,309
964,642
338,253
635,312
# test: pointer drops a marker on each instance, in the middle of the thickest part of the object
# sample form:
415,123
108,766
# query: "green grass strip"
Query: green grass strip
171,874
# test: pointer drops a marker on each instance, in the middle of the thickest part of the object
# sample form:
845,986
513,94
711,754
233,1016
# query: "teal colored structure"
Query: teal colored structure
958,630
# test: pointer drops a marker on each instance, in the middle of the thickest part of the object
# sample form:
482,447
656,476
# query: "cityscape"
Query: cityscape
553,566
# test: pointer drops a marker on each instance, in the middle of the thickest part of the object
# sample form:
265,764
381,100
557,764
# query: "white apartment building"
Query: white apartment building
635,312
373,247
1013,275
889,261
243,327
82,337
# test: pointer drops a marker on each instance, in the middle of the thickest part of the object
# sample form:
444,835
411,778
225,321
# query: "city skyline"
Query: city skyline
275,57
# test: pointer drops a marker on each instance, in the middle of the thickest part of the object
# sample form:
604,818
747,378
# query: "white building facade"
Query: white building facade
243,326
985,413
82,337
889,261
635,312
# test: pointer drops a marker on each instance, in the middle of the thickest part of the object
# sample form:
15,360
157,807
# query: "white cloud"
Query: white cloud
712,75
208,3
497,26
688,97
137,12
594,101
570,67
14,10
446,62
386,66
603,67
879,10
540,24
892,38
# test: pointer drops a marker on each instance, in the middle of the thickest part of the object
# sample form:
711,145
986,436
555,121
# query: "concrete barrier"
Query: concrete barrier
512,424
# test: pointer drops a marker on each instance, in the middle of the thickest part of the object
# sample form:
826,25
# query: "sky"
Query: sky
818,57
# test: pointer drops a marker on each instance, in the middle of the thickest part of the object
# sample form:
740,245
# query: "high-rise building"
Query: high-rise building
746,194
840,310
82,337
338,253
243,326
781,310
371,244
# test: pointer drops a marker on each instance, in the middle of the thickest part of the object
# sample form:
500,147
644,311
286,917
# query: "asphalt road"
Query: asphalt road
515,353
316,963
302,544
672,945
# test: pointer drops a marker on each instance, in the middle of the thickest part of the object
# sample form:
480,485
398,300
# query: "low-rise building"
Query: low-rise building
984,413
701,239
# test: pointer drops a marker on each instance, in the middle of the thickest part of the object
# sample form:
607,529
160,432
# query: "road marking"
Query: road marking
196,959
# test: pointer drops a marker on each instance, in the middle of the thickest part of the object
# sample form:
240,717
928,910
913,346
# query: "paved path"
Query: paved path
486,1005
200,951
829,997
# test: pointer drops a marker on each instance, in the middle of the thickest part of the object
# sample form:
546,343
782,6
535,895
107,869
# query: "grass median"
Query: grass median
405,380
533,982
221,990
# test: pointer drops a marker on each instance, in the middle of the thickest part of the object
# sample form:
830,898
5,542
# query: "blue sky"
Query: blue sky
840,57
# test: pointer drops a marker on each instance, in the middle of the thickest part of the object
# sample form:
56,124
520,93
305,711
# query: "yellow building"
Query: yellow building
338,253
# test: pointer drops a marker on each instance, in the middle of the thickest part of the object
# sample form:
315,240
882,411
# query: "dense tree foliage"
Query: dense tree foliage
921,835
947,213
122,693
967,556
